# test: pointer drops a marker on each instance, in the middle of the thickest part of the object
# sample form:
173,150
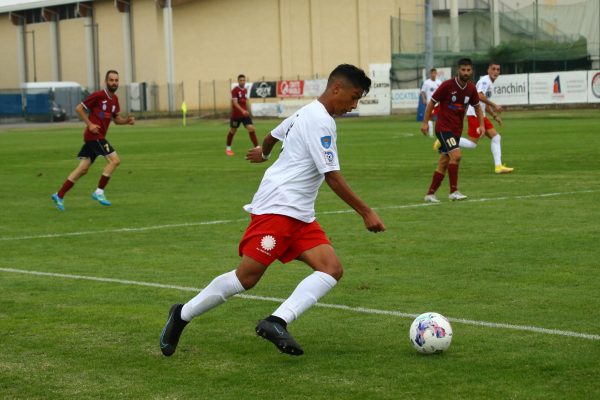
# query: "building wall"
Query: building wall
9,78
72,50
216,40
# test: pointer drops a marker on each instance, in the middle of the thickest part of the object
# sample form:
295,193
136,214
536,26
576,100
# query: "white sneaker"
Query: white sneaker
431,198
455,196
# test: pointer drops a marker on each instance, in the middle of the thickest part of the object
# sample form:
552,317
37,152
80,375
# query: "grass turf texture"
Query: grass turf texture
525,261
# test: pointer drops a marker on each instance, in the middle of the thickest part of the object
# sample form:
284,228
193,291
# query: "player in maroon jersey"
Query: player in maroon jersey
453,98
239,114
97,110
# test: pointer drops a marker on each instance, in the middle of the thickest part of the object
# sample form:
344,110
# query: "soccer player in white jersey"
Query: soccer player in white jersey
485,88
283,225
427,89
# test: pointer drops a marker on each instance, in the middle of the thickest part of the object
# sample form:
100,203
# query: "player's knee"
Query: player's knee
248,282
456,157
83,171
115,162
335,269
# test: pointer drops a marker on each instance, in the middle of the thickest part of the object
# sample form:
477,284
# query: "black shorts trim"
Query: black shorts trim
235,122
94,148
448,141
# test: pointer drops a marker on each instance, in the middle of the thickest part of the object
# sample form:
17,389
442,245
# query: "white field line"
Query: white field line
227,221
362,310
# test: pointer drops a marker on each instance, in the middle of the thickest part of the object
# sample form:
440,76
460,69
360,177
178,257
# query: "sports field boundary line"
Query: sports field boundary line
227,221
362,310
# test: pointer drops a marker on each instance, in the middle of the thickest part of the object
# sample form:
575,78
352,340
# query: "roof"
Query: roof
18,5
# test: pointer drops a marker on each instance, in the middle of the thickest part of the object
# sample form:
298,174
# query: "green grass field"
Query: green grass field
521,251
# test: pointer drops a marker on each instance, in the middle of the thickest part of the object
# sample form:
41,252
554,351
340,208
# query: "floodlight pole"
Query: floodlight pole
428,35
168,27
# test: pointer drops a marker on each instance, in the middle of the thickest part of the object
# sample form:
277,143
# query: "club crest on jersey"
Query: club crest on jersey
453,99
329,157
326,141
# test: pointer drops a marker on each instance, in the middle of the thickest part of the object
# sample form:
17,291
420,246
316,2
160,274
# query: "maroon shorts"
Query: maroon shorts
474,124
271,237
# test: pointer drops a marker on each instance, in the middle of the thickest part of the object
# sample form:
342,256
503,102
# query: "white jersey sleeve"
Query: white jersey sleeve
322,147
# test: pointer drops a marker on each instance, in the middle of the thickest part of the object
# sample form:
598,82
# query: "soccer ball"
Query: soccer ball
430,333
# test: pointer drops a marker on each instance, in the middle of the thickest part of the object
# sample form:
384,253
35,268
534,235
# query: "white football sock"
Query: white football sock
496,150
306,294
466,143
99,191
227,147
217,292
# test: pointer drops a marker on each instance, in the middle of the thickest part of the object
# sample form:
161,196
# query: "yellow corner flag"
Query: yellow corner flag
184,111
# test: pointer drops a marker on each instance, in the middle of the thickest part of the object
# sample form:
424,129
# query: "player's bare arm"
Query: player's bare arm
495,107
95,129
492,114
426,118
340,187
479,114
130,120
262,153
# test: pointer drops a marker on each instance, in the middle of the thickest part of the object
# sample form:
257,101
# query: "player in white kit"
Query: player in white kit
283,225
427,89
485,88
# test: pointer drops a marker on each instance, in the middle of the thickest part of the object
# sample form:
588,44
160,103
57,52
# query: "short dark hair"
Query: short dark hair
464,61
241,76
433,70
493,62
354,75
110,71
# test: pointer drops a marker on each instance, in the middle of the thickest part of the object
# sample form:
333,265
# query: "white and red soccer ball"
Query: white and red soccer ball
430,333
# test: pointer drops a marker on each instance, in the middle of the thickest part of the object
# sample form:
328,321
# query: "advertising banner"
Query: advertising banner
558,87
290,88
405,98
377,101
264,109
263,90
314,87
594,86
511,90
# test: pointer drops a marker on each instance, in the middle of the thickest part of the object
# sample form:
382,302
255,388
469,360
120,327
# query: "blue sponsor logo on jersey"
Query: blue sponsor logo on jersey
326,141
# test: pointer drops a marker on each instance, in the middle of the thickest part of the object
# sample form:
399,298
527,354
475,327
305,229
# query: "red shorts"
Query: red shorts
271,237
474,124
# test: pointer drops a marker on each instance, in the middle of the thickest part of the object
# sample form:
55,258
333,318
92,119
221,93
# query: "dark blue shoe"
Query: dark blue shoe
169,337
279,336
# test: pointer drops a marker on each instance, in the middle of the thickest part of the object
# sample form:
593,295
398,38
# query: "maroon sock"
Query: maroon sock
229,139
65,188
436,181
103,182
253,138
453,177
